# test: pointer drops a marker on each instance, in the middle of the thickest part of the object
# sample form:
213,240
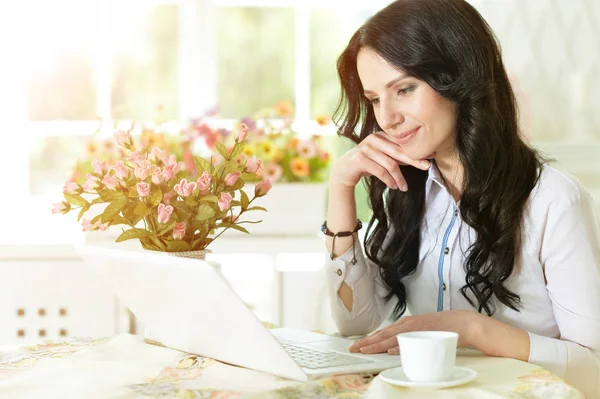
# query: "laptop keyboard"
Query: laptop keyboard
316,359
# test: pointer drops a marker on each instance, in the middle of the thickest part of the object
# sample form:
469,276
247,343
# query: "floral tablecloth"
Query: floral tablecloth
126,367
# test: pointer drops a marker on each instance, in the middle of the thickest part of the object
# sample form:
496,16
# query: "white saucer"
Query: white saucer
459,376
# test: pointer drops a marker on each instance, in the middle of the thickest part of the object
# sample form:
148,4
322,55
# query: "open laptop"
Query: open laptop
187,305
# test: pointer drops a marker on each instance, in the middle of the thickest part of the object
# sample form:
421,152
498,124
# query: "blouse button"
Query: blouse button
339,272
444,287
446,250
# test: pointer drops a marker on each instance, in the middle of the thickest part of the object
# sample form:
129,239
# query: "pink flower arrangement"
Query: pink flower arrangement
166,205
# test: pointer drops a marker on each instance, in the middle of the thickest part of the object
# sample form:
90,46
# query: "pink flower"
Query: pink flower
253,165
204,182
157,177
185,189
72,188
242,133
61,207
262,188
136,157
101,226
324,156
225,201
307,148
167,197
351,382
99,167
92,183
156,154
164,213
179,231
168,173
87,225
111,182
143,189
121,170
273,171
142,172
171,163
232,178
124,139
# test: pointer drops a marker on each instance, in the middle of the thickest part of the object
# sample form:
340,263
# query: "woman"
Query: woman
471,231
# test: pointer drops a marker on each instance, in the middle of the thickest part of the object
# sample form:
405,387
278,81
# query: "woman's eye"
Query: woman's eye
406,90
374,101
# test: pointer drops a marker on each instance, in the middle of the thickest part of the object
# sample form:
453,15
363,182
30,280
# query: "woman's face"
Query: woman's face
407,109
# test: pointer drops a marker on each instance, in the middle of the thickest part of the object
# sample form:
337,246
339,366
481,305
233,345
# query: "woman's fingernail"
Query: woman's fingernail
404,188
425,164
366,349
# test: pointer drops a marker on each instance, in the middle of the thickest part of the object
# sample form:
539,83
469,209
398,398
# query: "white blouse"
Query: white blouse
558,279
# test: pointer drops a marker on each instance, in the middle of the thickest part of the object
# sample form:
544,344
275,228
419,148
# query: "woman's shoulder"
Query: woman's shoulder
555,186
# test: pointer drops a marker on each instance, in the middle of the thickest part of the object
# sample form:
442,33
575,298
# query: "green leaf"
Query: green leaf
142,210
222,150
106,195
249,177
156,197
133,233
77,200
204,212
112,210
147,243
244,200
237,186
182,210
190,201
202,165
237,150
239,228
210,198
256,208
129,214
167,228
119,220
99,200
224,168
85,208
199,243
177,246
157,243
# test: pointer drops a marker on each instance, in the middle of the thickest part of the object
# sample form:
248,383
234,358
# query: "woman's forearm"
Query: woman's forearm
496,338
341,216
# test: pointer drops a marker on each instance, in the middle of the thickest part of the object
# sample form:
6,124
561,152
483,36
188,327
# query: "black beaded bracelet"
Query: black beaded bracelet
330,233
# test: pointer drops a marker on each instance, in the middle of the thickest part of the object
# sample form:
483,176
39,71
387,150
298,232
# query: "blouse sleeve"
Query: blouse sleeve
570,254
369,309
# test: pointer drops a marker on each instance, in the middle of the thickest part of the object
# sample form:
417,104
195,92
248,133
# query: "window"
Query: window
330,31
89,63
134,56
145,67
255,59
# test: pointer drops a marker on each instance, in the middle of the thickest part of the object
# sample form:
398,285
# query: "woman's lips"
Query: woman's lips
406,137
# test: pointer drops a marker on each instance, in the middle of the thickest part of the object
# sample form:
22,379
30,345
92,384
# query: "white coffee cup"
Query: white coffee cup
427,356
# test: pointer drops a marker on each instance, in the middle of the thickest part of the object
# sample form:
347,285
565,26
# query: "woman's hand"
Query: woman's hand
379,156
462,322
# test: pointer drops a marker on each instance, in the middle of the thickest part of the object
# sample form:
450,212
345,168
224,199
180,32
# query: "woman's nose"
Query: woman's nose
390,116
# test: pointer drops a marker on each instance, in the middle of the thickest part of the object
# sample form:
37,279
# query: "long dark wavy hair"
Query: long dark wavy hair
447,44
